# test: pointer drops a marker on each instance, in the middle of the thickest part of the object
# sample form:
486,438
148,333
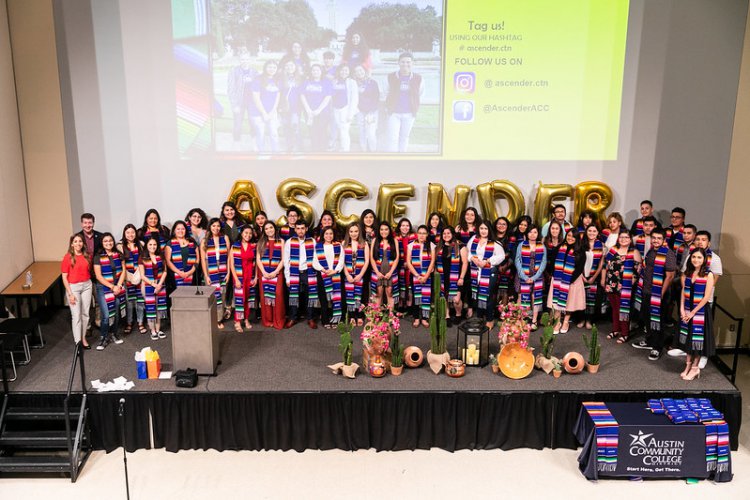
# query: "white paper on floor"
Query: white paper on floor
118,384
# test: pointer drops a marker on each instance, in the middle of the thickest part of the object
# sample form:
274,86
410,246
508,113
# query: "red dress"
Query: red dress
247,255
274,316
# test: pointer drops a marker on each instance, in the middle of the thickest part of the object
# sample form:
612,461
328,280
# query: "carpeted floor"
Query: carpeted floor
263,360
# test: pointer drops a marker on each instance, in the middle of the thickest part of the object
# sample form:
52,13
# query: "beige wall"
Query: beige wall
32,34
15,233
734,286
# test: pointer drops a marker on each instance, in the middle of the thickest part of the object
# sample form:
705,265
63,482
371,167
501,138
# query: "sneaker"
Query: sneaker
161,334
654,355
117,339
703,362
102,345
676,353
641,344
154,335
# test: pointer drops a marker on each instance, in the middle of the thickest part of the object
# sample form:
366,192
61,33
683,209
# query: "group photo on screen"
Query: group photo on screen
326,76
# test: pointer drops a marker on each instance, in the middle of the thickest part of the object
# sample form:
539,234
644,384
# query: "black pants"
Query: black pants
294,311
326,309
656,338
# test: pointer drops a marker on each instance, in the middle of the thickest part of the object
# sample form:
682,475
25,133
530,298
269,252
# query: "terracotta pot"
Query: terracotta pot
573,363
376,367
495,369
556,373
455,368
350,371
437,361
592,368
397,370
515,362
413,356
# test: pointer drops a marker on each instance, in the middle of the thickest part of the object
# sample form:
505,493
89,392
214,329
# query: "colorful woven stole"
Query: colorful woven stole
640,243
217,266
465,236
628,273
565,263
692,410
696,328
434,236
112,269
131,265
679,237
331,284
531,293
657,283
154,234
480,278
593,288
239,293
404,276
455,272
270,260
286,232
354,264
638,227
155,303
374,277
183,266
607,432
293,292
420,259
605,234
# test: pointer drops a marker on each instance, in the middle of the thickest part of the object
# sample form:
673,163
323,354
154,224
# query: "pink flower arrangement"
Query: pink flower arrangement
379,323
514,325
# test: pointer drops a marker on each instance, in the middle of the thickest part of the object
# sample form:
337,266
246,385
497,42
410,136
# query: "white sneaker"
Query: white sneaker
676,353
703,362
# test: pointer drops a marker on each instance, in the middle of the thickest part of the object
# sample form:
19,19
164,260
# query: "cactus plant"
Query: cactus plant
547,338
345,340
438,325
592,344
397,350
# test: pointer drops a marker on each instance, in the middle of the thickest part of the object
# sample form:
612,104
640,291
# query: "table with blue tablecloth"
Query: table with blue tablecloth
630,440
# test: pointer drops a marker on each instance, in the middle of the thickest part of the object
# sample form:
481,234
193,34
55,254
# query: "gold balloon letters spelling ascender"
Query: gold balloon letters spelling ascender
587,195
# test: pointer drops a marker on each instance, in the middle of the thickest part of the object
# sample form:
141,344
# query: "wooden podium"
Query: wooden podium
195,344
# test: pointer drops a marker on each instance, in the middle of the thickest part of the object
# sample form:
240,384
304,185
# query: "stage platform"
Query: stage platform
273,390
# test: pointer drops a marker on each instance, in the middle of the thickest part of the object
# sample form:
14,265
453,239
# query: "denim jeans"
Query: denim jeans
399,130
104,328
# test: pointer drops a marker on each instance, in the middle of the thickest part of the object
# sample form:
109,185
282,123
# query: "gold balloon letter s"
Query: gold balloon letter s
387,209
344,188
286,195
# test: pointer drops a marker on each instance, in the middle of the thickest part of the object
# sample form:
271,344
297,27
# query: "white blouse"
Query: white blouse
329,253
498,253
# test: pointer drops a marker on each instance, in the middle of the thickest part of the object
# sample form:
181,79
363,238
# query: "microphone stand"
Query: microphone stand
121,413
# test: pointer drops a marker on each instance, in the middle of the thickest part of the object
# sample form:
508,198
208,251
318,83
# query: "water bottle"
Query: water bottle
29,279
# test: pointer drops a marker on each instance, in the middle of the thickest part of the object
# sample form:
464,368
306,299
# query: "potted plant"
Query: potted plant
493,364
380,324
557,370
397,360
437,356
544,360
592,344
346,367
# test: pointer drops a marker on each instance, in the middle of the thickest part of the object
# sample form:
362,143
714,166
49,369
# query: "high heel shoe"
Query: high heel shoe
695,372
686,370
565,327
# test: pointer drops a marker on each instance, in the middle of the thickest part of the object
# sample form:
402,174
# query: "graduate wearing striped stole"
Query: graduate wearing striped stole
301,278
153,276
619,280
404,238
110,292
451,262
181,255
531,258
483,254
356,262
242,262
130,249
328,261
384,258
215,255
420,263
270,262
592,269
696,332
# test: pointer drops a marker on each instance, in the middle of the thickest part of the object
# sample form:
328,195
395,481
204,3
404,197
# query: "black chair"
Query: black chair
26,328
9,341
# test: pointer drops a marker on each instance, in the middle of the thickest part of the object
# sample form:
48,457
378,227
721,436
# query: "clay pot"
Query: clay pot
495,369
376,367
592,368
556,373
413,356
397,370
573,363
437,361
515,362
455,368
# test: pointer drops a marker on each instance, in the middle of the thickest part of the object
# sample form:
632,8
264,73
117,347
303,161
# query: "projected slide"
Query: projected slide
454,79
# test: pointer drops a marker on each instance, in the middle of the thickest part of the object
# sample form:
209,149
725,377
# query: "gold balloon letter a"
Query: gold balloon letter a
245,197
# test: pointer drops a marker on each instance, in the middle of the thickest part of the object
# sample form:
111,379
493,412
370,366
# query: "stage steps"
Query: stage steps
46,439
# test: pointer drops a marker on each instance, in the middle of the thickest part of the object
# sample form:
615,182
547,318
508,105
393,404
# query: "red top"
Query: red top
77,273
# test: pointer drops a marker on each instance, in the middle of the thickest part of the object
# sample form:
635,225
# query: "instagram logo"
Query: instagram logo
463,81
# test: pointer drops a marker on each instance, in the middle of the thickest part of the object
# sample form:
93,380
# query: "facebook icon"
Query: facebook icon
463,111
